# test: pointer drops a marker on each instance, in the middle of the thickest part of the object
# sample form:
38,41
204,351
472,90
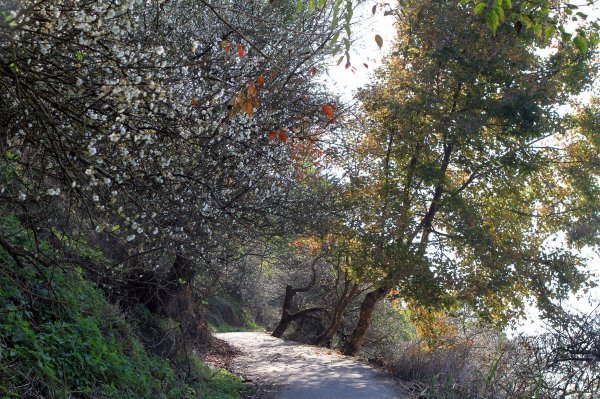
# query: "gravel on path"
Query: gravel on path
289,370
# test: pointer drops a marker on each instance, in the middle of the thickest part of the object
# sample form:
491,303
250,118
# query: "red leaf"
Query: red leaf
194,102
273,135
283,136
328,111
260,81
252,90
313,71
241,50
227,48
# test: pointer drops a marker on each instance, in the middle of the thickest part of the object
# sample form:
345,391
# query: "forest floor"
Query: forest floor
287,370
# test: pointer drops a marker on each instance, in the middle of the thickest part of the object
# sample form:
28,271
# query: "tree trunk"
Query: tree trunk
357,339
286,318
336,320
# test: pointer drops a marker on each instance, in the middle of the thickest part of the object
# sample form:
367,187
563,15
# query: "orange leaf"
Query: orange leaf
247,108
240,50
273,135
260,81
313,71
227,48
251,90
283,136
328,111
195,102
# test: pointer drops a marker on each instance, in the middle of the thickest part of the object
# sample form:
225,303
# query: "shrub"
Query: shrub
60,338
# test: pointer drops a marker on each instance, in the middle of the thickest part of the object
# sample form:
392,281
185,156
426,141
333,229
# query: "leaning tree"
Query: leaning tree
464,170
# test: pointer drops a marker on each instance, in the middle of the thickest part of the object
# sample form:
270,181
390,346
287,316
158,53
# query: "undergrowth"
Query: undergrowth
60,338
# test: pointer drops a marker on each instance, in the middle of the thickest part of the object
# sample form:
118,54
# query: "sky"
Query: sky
346,81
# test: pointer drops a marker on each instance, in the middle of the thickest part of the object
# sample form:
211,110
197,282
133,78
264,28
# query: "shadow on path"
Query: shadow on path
307,372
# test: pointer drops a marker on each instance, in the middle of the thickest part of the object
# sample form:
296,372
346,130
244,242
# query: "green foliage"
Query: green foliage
227,315
60,337
456,196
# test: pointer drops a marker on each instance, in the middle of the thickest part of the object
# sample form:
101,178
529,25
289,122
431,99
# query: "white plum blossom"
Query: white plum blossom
131,131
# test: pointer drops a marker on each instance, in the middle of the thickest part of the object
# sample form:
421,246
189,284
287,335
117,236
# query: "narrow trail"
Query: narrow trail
298,371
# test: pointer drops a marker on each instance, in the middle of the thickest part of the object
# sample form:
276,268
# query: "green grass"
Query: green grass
60,338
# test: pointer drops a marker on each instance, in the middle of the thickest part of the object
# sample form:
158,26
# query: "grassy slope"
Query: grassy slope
59,338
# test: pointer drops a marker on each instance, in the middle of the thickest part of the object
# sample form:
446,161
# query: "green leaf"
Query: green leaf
500,12
581,44
492,21
479,8
527,20
299,6
311,5
492,371
336,7
349,11
549,32
508,4
594,39
379,41
335,37
322,3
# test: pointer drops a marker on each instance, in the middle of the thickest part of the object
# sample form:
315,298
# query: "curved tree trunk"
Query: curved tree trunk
364,320
286,315
338,313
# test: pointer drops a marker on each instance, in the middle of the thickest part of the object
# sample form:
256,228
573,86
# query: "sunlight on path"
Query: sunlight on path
306,372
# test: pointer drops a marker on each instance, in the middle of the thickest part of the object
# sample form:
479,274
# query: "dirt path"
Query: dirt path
295,371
